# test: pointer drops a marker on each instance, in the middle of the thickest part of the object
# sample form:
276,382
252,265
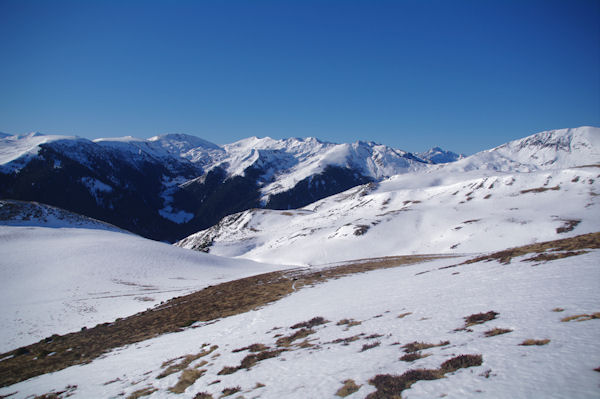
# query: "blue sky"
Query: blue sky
464,75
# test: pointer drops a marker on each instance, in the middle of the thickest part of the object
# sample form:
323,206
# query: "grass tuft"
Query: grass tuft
391,386
412,356
349,388
480,318
287,340
142,392
532,342
203,395
581,317
366,347
315,321
403,315
418,346
496,331
461,362
187,378
230,391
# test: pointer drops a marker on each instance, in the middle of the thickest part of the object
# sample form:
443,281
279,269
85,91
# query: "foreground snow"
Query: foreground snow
57,280
530,299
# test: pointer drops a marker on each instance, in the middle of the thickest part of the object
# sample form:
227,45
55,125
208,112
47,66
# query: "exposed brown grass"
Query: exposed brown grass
581,317
497,331
558,310
569,225
230,391
412,356
252,348
142,392
480,318
348,323
203,395
418,346
391,386
540,189
214,302
187,378
288,339
403,315
185,361
346,341
532,342
566,245
315,321
372,345
461,362
250,360
349,388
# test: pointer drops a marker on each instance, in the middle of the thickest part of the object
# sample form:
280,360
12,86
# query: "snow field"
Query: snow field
523,294
57,280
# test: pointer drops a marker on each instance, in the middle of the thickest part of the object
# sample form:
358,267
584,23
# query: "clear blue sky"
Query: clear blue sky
464,75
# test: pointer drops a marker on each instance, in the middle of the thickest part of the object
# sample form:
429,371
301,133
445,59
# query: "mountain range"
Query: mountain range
170,186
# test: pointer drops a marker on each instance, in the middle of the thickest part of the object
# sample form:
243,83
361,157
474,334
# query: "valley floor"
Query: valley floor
534,320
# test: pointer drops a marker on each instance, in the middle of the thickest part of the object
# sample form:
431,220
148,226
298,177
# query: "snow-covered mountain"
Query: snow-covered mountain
62,271
437,155
172,185
537,188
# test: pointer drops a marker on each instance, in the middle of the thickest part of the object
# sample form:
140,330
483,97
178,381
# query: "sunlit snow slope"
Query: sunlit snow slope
369,321
539,188
60,272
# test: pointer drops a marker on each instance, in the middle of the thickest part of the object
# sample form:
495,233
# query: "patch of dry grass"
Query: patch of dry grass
418,346
346,341
534,342
315,321
348,388
403,315
540,189
496,331
372,345
203,395
568,246
142,392
185,362
558,310
288,339
391,386
188,377
230,391
412,356
348,323
252,348
581,317
480,318
250,360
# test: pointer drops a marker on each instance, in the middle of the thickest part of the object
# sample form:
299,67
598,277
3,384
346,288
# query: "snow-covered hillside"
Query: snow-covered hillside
60,272
483,330
527,190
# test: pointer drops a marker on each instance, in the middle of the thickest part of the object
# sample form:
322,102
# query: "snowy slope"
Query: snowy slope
553,149
416,213
60,272
389,309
